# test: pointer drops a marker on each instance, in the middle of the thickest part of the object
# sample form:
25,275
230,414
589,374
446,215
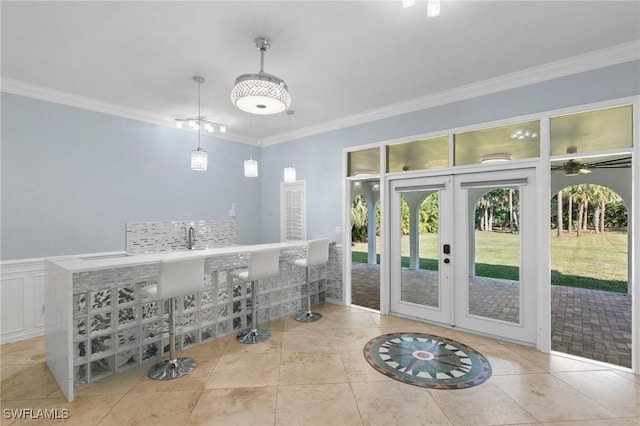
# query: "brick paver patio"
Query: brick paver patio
587,323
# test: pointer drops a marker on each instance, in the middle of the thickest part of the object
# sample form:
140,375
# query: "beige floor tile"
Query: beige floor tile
273,325
619,395
485,404
395,403
551,362
237,406
353,339
309,339
315,405
30,351
505,361
359,370
348,319
29,381
118,383
633,421
548,398
299,368
247,370
272,346
208,353
84,410
154,408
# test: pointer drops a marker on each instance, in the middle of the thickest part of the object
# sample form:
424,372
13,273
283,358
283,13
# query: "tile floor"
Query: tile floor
315,374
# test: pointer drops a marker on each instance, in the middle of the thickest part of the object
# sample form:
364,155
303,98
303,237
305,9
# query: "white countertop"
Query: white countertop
109,261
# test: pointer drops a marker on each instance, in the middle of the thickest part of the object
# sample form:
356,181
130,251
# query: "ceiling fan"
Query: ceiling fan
575,167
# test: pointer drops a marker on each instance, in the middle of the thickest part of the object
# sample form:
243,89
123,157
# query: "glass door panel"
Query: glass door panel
420,276
494,284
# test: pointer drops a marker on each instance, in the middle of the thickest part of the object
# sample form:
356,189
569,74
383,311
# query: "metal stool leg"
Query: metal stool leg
173,367
308,316
253,335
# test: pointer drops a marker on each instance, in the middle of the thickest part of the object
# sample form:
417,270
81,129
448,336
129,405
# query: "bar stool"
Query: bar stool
177,277
263,264
317,254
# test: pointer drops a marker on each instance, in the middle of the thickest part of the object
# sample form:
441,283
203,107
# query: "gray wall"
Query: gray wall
72,178
318,159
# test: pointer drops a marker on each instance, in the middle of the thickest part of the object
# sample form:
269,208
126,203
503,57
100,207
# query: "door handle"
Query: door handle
446,249
447,260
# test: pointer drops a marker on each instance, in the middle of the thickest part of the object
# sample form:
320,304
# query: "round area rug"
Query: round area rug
427,361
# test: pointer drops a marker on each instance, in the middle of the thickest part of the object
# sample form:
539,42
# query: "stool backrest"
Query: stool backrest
317,252
180,277
264,263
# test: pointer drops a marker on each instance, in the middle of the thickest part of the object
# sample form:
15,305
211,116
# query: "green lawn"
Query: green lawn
594,261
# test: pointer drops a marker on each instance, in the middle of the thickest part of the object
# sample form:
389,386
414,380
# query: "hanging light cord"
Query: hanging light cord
199,116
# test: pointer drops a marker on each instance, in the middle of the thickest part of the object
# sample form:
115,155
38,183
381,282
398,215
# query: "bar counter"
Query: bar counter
98,324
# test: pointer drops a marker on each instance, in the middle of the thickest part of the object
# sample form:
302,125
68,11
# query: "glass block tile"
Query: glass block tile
189,339
189,302
150,351
102,367
80,304
80,375
126,295
101,299
127,359
222,277
223,295
208,315
128,336
127,316
207,333
209,279
100,322
80,351
237,306
237,291
152,329
101,345
206,298
223,328
80,326
237,323
189,319
149,310
223,311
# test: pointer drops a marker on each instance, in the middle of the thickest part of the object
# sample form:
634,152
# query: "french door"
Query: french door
463,251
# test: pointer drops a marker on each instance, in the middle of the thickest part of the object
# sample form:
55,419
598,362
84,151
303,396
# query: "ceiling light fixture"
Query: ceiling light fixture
200,121
290,172
523,134
497,157
433,8
260,93
198,156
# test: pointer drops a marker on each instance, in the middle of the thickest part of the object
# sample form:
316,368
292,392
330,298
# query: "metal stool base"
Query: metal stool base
172,369
253,336
307,316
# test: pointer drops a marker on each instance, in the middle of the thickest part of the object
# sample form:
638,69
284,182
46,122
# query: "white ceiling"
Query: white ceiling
343,61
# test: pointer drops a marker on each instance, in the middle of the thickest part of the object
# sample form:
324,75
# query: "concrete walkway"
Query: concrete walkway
587,323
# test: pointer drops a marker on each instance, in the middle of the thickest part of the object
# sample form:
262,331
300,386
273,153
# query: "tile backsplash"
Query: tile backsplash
150,237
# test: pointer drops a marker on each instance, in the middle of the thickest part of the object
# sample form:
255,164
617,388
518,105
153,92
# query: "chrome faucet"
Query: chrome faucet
191,239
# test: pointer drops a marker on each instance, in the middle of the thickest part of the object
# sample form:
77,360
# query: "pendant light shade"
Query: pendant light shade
289,174
250,168
199,160
261,93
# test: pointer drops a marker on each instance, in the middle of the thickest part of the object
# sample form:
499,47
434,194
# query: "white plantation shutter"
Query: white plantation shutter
293,211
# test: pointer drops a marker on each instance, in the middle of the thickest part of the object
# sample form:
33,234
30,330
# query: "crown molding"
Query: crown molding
21,88
597,59
618,54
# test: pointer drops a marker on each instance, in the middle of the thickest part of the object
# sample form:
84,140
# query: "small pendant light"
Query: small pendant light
199,156
250,165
